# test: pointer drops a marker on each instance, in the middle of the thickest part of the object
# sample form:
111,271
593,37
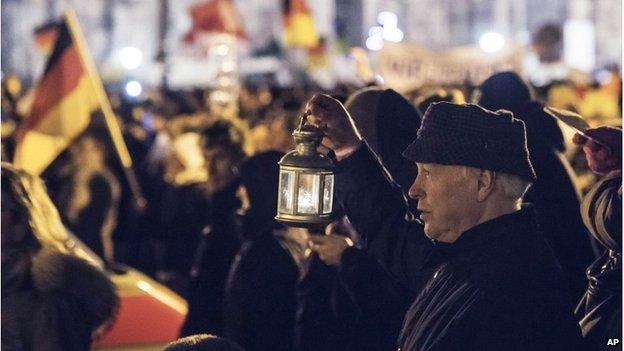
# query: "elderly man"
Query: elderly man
496,284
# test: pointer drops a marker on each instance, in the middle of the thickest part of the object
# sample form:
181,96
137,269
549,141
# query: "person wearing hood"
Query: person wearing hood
379,299
388,123
600,309
259,301
52,298
554,194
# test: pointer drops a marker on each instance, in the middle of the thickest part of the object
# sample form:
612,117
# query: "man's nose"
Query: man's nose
415,191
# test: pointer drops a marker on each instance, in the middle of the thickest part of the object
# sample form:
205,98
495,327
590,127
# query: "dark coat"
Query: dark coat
380,301
90,226
357,307
212,259
326,317
360,306
555,195
557,200
259,303
497,287
494,270
56,304
600,310
378,210
183,216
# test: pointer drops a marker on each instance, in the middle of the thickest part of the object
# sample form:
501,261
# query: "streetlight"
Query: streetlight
306,181
133,88
491,42
130,57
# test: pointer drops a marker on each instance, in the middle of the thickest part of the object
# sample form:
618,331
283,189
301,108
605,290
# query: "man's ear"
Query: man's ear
485,184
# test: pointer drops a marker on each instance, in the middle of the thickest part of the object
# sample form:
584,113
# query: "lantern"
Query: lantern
306,181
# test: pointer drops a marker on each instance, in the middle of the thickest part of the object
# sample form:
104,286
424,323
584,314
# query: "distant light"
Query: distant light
225,81
379,79
222,49
393,34
375,31
579,44
491,42
228,66
374,43
387,19
133,88
130,57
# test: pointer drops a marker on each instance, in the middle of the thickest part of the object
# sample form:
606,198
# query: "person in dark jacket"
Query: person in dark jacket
89,200
390,123
554,194
222,147
259,302
52,299
600,309
497,284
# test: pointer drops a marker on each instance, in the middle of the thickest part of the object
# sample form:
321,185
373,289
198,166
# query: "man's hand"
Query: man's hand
330,115
330,247
600,159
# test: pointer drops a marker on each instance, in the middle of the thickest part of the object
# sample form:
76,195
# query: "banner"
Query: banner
405,67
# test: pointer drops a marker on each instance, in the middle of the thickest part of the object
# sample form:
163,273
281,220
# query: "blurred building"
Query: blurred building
111,25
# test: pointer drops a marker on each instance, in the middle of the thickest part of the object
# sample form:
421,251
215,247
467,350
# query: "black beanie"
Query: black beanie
508,91
469,135
505,90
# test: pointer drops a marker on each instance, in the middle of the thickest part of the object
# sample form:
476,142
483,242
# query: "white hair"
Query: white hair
511,186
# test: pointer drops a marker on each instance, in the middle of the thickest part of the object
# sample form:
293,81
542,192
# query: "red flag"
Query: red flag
215,16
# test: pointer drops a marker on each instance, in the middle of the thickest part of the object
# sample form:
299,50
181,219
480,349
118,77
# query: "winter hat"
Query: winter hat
505,90
508,91
469,135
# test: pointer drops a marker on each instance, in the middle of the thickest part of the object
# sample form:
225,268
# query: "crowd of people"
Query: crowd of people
459,223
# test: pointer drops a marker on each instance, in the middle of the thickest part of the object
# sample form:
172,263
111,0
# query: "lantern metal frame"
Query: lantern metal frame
306,160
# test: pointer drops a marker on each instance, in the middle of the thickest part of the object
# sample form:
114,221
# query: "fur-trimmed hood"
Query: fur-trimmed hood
53,272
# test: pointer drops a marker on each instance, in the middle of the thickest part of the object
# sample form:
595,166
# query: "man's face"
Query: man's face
447,198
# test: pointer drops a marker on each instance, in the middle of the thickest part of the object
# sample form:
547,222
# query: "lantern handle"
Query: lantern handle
304,119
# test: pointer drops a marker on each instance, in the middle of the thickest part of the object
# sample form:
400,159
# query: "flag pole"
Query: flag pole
107,111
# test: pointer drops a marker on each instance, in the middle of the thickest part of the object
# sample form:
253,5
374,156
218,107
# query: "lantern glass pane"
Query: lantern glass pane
328,193
308,201
285,200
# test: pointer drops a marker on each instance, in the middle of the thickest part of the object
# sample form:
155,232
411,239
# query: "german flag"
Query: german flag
299,28
46,35
63,102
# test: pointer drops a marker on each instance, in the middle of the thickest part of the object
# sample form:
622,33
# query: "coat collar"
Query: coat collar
491,233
